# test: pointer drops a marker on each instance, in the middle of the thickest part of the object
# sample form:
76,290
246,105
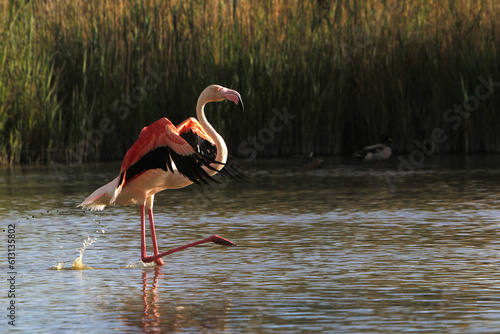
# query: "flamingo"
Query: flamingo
168,157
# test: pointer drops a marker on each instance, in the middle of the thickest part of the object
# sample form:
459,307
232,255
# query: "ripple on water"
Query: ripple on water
333,249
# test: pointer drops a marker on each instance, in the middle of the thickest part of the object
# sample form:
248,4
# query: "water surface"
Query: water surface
335,249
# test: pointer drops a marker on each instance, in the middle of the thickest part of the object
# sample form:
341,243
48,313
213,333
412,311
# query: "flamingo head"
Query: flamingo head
215,93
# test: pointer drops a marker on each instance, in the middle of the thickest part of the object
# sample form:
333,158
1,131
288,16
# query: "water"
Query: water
335,249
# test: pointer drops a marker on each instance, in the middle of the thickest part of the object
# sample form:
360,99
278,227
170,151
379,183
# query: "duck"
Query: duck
310,161
377,152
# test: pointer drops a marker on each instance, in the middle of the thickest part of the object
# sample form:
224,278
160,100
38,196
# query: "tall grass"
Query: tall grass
78,79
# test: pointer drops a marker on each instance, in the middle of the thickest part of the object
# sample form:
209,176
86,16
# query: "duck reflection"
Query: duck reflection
172,306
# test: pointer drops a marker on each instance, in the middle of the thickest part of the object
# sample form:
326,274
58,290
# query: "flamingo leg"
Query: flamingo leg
144,256
143,233
158,256
214,238
158,261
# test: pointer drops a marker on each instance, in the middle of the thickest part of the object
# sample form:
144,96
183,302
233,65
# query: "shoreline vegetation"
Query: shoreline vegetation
79,79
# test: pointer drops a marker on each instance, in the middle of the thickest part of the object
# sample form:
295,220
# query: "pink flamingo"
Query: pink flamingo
168,157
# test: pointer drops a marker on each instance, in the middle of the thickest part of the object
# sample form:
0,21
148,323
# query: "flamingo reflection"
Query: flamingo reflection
174,308
151,314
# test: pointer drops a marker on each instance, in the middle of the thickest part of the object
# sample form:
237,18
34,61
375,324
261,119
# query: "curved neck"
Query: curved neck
219,142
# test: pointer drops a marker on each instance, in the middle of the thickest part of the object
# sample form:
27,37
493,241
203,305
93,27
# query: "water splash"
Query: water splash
78,263
59,266
140,264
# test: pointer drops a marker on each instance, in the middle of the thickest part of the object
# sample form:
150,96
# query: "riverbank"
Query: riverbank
79,80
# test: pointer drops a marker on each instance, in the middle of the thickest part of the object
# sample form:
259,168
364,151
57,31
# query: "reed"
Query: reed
78,79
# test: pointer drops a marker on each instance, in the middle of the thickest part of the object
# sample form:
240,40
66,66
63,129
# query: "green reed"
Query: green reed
79,79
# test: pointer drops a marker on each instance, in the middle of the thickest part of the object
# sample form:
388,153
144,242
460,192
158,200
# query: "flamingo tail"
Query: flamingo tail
100,198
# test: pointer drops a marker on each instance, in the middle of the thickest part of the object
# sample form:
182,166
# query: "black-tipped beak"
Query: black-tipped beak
232,95
240,104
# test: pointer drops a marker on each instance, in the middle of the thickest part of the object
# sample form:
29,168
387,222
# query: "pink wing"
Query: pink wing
193,133
158,145
192,125
161,133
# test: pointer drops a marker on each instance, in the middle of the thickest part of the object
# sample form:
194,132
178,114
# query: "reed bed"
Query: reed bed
78,79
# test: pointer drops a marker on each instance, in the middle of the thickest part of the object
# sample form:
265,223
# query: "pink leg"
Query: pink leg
153,237
144,256
143,233
214,238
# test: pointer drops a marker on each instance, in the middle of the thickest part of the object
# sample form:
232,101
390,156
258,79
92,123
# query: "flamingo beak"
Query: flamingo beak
234,96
